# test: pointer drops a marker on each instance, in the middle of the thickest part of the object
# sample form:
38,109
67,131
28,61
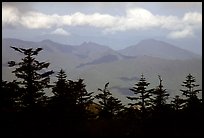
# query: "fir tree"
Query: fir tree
177,103
143,96
189,83
10,96
83,98
31,80
60,102
110,106
192,101
160,96
70,97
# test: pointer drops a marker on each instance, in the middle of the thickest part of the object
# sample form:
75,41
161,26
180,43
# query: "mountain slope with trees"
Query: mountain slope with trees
26,111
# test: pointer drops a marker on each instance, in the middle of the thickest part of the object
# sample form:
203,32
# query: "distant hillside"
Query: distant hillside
155,48
99,64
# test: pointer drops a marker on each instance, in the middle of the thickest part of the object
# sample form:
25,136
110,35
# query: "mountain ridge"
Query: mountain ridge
146,47
157,48
102,65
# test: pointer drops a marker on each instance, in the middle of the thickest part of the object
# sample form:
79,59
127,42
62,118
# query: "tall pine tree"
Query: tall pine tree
61,101
83,99
10,97
143,96
192,101
177,103
110,106
160,97
31,79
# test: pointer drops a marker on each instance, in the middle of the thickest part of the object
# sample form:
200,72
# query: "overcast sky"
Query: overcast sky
115,24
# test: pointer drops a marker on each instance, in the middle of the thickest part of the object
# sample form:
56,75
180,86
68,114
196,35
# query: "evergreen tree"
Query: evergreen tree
31,80
177,103
191,92
9,96
189,83
159,101
110,106
61,100
60,88
143,96
70,97
83,99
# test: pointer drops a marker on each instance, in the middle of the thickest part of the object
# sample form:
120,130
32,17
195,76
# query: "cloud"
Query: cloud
193,18
181,34
35,20
60,31
10,16
135,19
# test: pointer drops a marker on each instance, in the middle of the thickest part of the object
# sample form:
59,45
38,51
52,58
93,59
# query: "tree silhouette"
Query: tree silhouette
83,98
191,92
70,97
110,106
9,96
60,89
31,80
60,102
144,98
190,85
177,103
159,101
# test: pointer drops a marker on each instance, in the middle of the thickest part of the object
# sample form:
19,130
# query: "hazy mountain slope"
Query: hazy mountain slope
99,64
172,72
90,50
155,48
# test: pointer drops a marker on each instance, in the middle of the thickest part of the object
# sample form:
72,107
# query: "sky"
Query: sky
115,24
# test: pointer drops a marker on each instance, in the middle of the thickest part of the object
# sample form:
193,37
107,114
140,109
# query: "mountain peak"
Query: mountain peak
157,48
151,40
47,41
93,45
88,43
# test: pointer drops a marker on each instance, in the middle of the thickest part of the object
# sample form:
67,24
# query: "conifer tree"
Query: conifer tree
61,100
143,96
60,88
9,96
177,103
28,70
160,96
110,105
189,83
70,97
192,101
82,98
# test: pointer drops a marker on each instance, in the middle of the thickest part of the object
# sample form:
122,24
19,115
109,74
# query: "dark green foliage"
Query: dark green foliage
110,106
178,103
70,97
143,96
83,98
189,83
60,88
61,99
160,96
192,101
30,79
10,96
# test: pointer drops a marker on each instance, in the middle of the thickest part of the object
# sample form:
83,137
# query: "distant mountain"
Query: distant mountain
90,50
98,64
155,48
